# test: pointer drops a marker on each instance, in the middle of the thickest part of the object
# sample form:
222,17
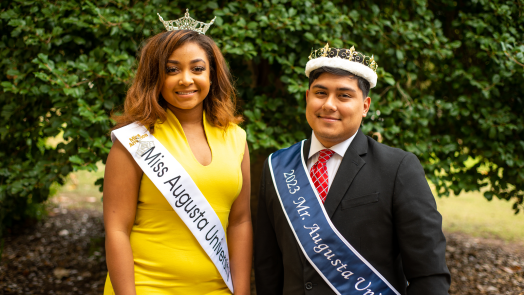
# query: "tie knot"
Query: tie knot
325,155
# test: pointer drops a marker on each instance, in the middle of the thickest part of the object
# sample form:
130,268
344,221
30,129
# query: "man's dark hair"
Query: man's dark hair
363,84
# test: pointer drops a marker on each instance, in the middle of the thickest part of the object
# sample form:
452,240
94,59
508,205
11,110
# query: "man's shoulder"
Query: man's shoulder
386,153
266,161
305,142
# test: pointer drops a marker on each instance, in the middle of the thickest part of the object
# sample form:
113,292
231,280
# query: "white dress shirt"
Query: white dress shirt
335,160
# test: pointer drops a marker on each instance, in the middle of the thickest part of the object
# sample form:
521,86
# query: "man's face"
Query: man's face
335,108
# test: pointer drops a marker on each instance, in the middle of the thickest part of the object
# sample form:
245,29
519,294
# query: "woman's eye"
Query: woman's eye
171,69
199,69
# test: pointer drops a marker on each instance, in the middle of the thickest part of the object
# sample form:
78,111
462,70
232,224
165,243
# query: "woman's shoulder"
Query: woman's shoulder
231,131
234,137
236,131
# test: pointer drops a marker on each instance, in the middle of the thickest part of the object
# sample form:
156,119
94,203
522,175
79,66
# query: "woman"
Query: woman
183,94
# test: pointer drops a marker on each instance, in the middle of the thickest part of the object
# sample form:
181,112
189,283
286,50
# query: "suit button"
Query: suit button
309,286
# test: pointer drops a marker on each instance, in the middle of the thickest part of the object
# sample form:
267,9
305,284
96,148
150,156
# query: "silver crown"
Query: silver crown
187,23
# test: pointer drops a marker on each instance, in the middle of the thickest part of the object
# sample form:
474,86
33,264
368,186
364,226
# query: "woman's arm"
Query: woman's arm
240,233
121,183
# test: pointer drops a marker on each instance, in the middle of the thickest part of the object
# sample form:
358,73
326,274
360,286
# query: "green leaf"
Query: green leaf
43,57
309,36
6,84
488,196
17,22
76,159
389,80
79,40
492,132
9,14
128,27
455,44
399,54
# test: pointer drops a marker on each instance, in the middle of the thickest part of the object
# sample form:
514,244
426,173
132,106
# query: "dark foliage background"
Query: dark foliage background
451,82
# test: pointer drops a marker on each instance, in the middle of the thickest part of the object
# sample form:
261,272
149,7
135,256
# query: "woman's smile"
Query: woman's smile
186,93
187,81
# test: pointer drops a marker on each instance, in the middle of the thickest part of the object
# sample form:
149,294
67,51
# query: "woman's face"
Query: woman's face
187,77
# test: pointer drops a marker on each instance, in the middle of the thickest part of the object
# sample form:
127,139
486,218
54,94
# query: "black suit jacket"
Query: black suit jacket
381,203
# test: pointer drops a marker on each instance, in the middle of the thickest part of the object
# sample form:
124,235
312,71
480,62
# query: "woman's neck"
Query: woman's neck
188,117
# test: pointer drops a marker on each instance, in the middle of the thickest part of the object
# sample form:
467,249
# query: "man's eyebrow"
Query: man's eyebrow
346,89
338,89
319,86
176,62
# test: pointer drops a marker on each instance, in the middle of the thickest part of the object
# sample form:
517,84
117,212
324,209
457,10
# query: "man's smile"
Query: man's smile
328,118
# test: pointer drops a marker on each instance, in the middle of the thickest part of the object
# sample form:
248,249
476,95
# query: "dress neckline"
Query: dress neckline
206,133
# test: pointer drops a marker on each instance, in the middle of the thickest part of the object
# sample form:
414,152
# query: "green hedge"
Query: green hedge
451,82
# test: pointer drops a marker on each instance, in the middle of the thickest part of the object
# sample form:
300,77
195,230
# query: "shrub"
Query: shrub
451,82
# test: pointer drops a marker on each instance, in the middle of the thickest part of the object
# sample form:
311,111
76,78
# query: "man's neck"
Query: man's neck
340,147
329,144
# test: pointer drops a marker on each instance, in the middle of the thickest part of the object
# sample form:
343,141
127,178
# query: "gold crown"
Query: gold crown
187,23
349,54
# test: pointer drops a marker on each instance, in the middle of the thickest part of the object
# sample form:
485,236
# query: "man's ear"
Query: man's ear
367,104
307,95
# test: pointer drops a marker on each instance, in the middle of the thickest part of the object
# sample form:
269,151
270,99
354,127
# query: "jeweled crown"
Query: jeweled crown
348,54
187,23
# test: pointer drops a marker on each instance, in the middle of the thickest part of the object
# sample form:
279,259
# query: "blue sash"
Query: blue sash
335,260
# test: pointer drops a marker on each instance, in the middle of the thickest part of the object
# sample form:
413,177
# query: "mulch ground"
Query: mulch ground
64,254
484,266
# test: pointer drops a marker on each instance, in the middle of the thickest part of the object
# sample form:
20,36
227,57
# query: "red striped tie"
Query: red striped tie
319,174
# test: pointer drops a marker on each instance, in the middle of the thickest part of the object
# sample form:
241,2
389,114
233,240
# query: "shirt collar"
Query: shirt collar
339,148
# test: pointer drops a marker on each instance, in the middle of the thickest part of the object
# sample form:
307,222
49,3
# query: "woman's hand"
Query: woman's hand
121,184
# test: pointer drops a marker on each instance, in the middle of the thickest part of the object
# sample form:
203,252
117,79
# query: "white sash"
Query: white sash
180,190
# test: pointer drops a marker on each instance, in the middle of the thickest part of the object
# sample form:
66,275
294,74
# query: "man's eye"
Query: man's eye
320,92
171,69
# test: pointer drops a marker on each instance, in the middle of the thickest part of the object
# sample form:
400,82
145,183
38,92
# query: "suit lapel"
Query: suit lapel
350,166
307,147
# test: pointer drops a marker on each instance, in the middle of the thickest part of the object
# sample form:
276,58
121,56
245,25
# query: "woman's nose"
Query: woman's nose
185,79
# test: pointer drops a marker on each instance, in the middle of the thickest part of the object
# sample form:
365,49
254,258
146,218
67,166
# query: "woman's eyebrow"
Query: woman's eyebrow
197,60
176,62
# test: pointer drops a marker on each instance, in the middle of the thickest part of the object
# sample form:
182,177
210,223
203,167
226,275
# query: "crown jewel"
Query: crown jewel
186,23
346,59
348,54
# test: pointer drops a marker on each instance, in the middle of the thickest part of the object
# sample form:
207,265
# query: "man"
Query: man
340,213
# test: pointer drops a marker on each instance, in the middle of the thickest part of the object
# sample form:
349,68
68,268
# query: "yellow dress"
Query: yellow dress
167,257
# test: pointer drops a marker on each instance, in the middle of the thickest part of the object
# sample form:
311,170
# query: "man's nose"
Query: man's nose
330,103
